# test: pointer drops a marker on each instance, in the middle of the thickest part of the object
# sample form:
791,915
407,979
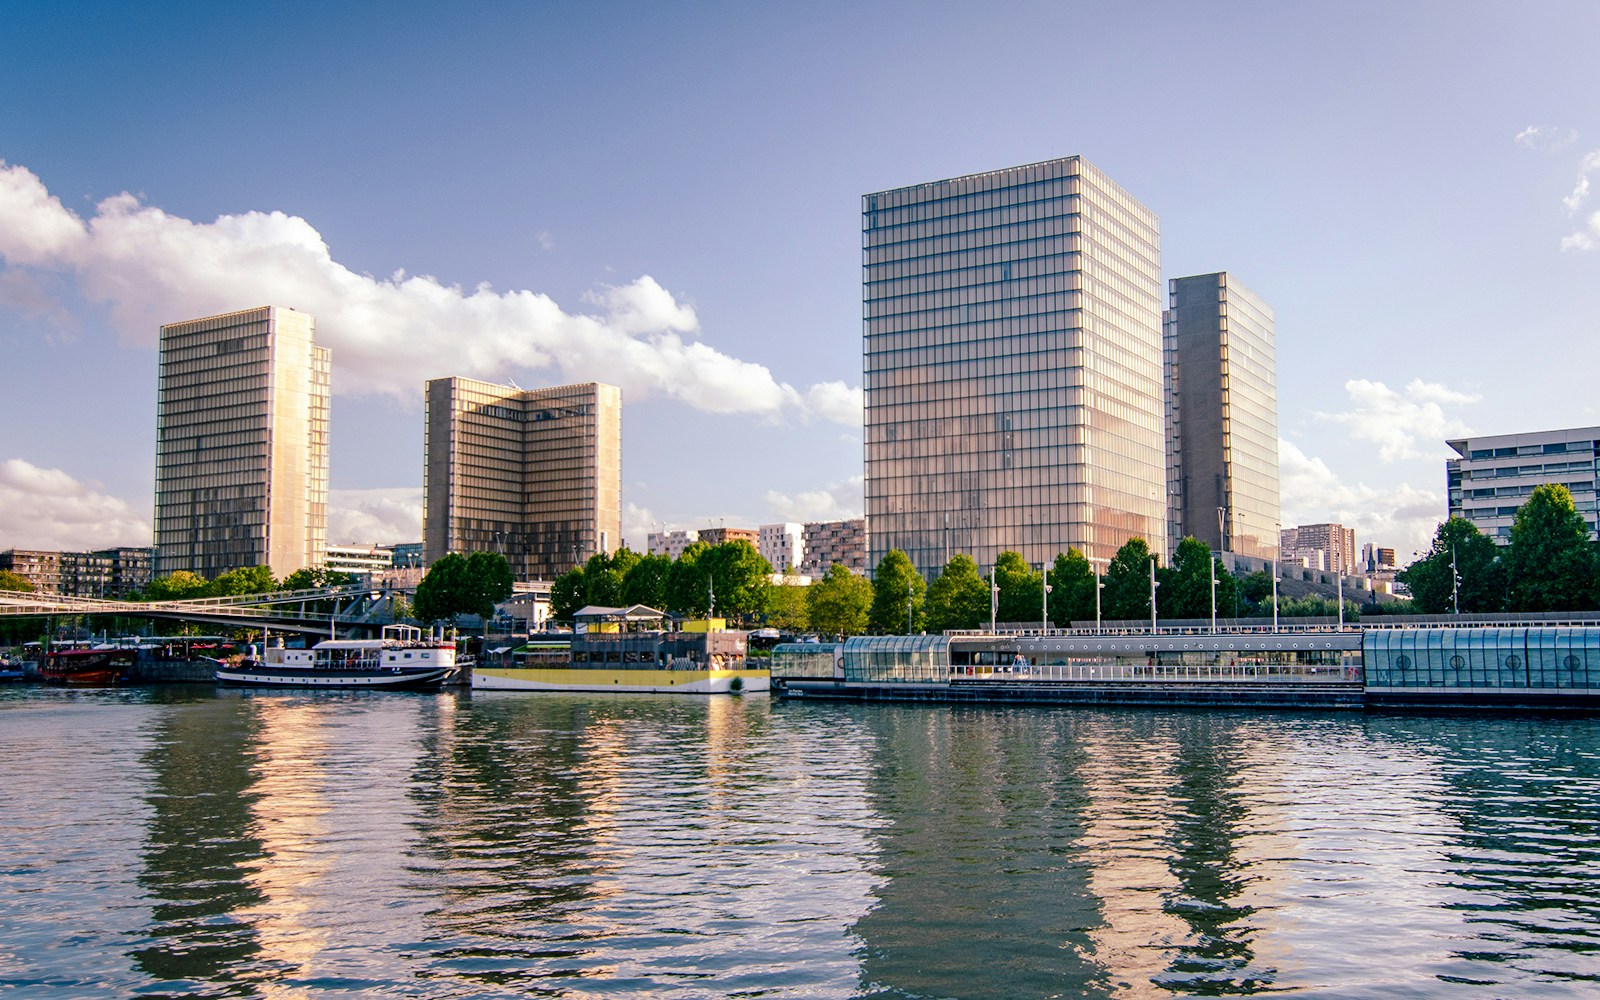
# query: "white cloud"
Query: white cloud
1402,516
1395,420
547,239
387,335
1584,239
837,502
1580,191
837,403
637,523
1548,138
48,509
375,516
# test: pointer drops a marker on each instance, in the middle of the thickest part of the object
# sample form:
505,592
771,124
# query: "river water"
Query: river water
197,843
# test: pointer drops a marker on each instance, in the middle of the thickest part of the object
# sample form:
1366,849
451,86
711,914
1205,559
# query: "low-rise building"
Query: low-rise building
115,572
1497,473
359,559
671,543
716,536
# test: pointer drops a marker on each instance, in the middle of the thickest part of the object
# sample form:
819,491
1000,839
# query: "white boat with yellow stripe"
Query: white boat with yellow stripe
630,650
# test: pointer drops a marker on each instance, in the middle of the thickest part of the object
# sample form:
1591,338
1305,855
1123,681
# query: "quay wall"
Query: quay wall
1339,697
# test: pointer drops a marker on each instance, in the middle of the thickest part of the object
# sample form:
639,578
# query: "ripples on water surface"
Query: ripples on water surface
185,843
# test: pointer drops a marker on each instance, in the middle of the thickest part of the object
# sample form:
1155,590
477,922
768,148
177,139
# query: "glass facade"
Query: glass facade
1012,367
902,659
1222,416
242,444
811,660
1505,658
534,474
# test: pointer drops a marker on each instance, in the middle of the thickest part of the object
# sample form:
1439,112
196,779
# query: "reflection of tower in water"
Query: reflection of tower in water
287,812
983,893
199,846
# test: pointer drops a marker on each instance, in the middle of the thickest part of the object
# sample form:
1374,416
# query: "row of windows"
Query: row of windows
1554,448
1505,472
882,229
945,198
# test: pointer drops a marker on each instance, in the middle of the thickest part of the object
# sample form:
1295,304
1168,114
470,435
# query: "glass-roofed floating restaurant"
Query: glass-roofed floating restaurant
1505,665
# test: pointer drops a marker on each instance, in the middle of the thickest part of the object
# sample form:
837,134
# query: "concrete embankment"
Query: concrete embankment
1295,696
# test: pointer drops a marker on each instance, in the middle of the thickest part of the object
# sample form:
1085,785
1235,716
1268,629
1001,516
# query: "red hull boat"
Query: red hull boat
87,667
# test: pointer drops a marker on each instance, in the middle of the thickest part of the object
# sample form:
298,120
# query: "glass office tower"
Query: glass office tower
242,444
1222,416
1012,367
534,474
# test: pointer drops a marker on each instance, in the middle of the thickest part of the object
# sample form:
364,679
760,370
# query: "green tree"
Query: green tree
958,597
1072,586
12,581
1317,606
1021,597
1459,549
1551,562
838,603
1257,589
602,577
1127,580
786,607
1185,590
1186,585
895,585
179,586
740,577
645,582
457,584
315,578
688,581
566,595
244,580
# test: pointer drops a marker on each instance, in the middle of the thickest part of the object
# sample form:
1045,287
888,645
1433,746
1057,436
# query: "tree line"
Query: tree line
1549,565
897,600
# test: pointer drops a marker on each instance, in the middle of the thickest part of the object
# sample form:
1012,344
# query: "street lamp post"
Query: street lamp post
994,601
1153,585
1098,586
1455,581
1222,546
1277,544
1213,563
910,597
1044,623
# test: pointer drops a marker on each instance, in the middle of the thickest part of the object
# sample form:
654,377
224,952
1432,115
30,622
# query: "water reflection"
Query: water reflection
588,846
447,846
197,846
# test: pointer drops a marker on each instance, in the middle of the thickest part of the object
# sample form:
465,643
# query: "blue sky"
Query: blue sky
668,198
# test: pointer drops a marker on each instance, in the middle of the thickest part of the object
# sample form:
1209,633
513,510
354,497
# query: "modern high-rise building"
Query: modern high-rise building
1496,474
534,474
242,444
1012,367
1222,416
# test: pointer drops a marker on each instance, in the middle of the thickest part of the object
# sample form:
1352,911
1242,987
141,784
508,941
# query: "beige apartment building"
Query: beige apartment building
534,474
242,444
